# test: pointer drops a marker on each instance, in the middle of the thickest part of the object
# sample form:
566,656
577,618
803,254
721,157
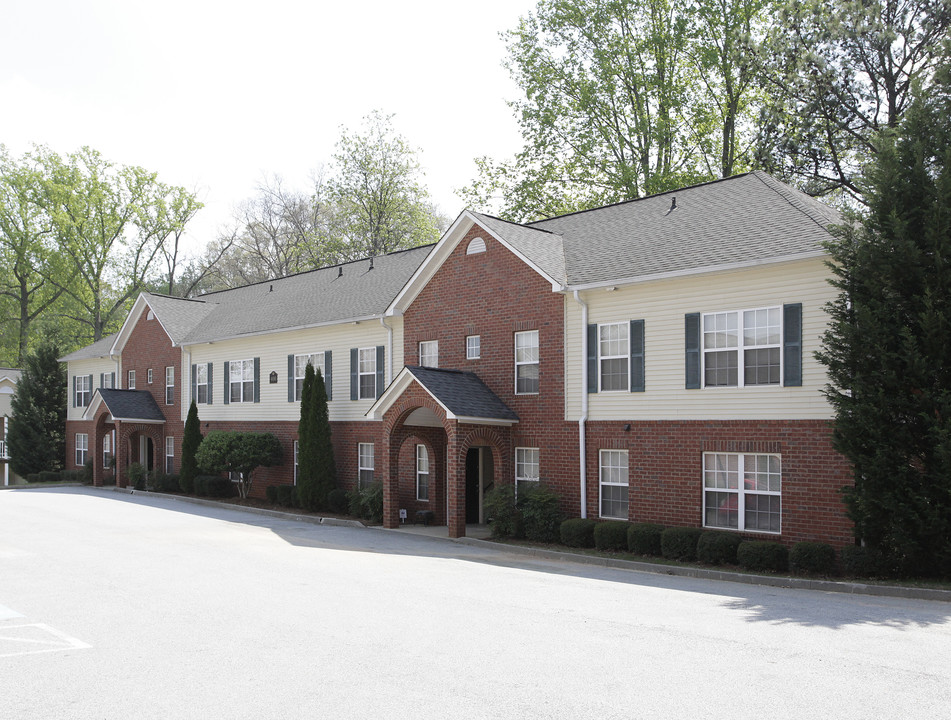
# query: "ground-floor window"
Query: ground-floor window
614,484
422,473
169,455
107,450
526,469
82,448
365,464
753,504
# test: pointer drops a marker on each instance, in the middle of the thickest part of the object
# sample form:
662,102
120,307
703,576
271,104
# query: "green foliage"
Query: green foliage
368,503
287,496
270,492
812,557
886,349
49,476
215,486
644,538
316,467
238,452
611,535
36,433
680,543
578,532
73,476
541,514
190,441
762,555
718,548
501,511
136,475
860,561
337,501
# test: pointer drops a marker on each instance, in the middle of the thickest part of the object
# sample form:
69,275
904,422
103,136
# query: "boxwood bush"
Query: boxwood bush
680,543
541,514
611,535
578,532
763,555
286,496
644,538
812,557
49,476
859,561
718,548
215,486
502,513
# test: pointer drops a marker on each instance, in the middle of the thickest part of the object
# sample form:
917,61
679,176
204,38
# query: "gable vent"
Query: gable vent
476,246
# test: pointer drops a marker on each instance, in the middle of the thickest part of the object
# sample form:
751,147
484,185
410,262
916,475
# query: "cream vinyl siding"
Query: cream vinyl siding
662,304
273,349
93,367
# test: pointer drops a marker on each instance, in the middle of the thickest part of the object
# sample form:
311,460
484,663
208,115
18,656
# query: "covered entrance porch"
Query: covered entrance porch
129,428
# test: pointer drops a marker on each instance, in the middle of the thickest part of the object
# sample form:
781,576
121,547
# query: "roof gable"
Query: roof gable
125,406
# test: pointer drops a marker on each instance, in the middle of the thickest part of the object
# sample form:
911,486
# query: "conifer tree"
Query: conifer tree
307,481
887,347
37,430
325,464
190,442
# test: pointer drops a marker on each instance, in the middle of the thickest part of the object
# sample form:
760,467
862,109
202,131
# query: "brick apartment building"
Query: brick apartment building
650,360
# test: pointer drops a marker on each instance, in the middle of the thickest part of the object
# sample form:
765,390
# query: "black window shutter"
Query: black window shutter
74,391
692,350
90,389
257,379
592,359
195,383
211,382
328,374
102,380
354,373
291,380
380,372
112,378
637,355
227,395
792,345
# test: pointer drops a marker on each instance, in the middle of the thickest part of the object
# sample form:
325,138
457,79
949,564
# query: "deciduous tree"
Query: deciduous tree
238,452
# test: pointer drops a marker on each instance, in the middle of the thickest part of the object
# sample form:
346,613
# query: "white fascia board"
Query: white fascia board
94,402
396,388
485,421
140,421
707,270
329,323
131,319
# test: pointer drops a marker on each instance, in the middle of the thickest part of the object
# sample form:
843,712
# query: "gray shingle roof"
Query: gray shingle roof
463,393
544,248
179,316
98,349
131,405
741,219
11,373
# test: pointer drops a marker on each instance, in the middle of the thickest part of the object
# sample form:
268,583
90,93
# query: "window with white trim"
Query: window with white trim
473,347
429,353
365,465
82,449
241,380
295,461
613,484
614,356
107,381
107,450
131,383
756,333
755,504
526,362
169,385
366,370
149,376
83,390
202,388
526,469
300,370
422,473
169,455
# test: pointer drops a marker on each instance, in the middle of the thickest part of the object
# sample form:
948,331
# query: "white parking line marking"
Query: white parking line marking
18,640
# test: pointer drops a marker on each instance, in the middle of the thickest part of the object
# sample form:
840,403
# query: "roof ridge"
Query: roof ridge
521,225
771,183
172,297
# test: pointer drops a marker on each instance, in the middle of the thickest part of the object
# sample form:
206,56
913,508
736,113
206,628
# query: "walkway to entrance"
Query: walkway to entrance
480,532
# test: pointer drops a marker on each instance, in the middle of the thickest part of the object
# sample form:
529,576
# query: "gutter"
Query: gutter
582,445
389,350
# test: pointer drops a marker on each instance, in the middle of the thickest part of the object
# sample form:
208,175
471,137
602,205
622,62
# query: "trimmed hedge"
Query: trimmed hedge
718,548
578,532
287,496
49,476
644,538
812,557
163,482
541,514
859,561
215,486
763,555
73,475
611,535
680,543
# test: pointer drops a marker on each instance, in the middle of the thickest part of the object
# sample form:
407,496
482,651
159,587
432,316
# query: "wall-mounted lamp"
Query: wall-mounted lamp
627,428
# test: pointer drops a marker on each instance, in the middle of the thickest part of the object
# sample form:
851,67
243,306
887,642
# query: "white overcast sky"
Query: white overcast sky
215,96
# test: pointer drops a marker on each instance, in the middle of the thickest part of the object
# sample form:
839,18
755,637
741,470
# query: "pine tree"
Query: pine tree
190,442
37,431
307,476
887,347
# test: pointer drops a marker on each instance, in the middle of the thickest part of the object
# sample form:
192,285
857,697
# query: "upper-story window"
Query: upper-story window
613,356
83,389
300,370
526,362
105,381
241,381
429,353
367,372
475,246
148,378
131,383
202,383
473,347
169,385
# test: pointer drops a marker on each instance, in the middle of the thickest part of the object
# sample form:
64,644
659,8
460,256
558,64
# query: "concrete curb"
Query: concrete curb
836,586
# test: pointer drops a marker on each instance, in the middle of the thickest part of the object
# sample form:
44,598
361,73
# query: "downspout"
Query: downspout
187,380
389,350
582,446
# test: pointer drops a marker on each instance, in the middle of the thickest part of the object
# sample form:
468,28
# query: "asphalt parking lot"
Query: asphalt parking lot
118,606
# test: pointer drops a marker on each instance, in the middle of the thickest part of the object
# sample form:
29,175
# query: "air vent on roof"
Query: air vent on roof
340,271
371,263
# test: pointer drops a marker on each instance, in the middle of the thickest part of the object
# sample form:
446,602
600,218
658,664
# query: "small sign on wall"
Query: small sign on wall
402,516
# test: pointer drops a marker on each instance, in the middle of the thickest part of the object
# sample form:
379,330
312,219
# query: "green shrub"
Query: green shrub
541,514
87,470
136,474
859,561
270,492
166,482
611,535
368,502
812,557
285,496
680,543
33,477
186,483
578,532
502,512
73,475
215,486
718,548
763,555
49,476
337,500
644,538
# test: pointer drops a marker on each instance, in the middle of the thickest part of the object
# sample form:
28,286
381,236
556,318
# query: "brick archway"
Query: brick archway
125,432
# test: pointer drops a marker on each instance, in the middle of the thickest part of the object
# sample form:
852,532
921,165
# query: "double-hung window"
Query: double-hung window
614,356
429,353
149,376
526,469
105,382
131,383
742,491
473,347
300,370
169,455
742,348
107,450
83,386
422,473
169,385
241,381
201,383
82,448
367,372
365,465
526,362
614,484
